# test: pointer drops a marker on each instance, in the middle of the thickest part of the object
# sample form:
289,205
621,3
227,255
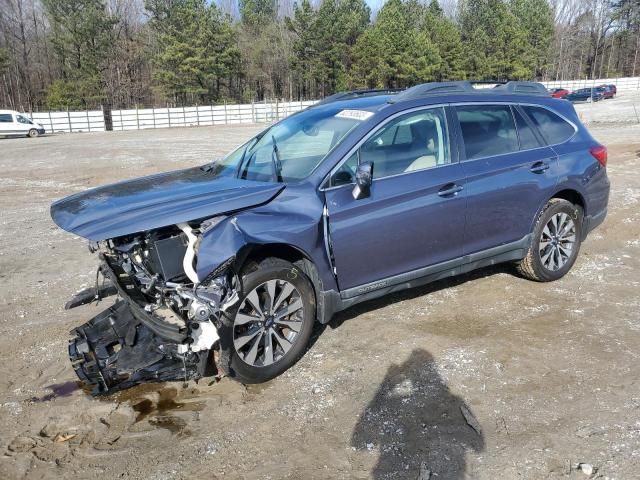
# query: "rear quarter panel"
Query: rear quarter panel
578,169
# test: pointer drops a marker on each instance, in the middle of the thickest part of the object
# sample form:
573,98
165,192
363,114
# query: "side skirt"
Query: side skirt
337,301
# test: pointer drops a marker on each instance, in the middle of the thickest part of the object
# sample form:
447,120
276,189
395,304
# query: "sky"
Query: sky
375,4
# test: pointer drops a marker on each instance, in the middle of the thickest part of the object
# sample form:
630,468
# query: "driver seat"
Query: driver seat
425,143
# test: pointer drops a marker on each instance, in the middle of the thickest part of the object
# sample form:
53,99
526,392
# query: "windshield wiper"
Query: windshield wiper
275,161
208,167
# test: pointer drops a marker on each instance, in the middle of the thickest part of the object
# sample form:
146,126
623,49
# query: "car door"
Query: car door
509,171
6,124
22,123
414,216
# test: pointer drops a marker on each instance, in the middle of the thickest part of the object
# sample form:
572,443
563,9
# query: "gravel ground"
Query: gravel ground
484,376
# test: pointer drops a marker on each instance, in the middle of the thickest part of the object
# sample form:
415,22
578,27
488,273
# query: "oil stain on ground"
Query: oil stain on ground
159,405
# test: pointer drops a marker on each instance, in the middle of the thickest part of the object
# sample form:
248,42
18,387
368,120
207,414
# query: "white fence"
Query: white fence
622,84
138,119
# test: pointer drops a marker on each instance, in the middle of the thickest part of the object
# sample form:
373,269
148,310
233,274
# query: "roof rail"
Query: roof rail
523,88
466,86
349,95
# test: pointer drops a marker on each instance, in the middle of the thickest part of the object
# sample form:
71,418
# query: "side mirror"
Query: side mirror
364,178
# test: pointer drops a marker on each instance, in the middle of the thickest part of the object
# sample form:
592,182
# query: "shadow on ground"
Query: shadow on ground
420,429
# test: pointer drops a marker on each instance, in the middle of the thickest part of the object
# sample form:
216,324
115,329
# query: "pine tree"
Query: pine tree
324,42
302,27
395,52
258,13
196,49
535,19
338,26
494,43
82,33
445,36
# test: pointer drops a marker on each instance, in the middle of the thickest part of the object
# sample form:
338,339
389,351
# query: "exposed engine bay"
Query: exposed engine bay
166,323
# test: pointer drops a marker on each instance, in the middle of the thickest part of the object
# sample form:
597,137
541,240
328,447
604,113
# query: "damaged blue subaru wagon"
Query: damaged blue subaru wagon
225,267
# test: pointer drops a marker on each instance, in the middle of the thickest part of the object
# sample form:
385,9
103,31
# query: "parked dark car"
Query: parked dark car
586,95
227,266
559,92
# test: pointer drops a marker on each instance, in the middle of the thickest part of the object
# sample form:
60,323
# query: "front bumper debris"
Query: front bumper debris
170,331
89,295
114,351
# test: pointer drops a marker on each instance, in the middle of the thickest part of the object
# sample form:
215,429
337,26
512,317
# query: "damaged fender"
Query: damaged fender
289,223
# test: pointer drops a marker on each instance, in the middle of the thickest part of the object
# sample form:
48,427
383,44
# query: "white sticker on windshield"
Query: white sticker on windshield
354,114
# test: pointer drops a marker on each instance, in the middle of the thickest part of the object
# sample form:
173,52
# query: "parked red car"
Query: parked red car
559,92
608,91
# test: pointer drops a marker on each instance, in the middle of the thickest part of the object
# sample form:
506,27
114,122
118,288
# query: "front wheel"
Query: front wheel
272,323
555,242
33,133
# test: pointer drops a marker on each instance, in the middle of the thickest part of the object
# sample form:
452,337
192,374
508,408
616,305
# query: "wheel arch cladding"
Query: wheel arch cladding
568,193
572,196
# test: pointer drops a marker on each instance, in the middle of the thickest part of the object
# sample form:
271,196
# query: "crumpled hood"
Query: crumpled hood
156,201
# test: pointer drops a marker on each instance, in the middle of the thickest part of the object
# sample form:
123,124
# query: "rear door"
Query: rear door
509,171
414,216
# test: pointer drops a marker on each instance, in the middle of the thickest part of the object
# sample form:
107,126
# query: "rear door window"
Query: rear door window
6,118
528,139
553,128
487,130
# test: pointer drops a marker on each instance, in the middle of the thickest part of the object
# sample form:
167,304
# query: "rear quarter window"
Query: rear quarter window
551,126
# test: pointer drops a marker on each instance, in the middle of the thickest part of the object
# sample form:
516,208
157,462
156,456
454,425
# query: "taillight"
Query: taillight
600,154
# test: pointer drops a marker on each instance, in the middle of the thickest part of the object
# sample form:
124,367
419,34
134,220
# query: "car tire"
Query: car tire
555,242
33,133
275,346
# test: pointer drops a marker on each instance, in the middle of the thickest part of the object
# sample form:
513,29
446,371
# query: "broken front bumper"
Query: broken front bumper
114,351
126,345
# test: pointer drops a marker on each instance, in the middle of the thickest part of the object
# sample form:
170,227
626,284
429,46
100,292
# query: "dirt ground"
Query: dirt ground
485,376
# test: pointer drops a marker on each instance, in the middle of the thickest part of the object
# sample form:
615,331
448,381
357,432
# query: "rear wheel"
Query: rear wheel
33,133
272,323
555,243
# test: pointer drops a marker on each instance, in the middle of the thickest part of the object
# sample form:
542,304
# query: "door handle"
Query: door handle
450,189
539,167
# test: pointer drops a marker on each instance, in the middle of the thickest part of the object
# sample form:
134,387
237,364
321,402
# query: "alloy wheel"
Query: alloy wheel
557,241
268,323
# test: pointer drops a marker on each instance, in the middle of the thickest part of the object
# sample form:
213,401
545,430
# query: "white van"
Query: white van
17,124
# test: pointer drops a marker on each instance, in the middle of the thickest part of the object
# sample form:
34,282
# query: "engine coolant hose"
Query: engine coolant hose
190,255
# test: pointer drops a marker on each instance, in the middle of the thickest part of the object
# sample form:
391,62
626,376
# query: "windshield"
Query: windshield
291,149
